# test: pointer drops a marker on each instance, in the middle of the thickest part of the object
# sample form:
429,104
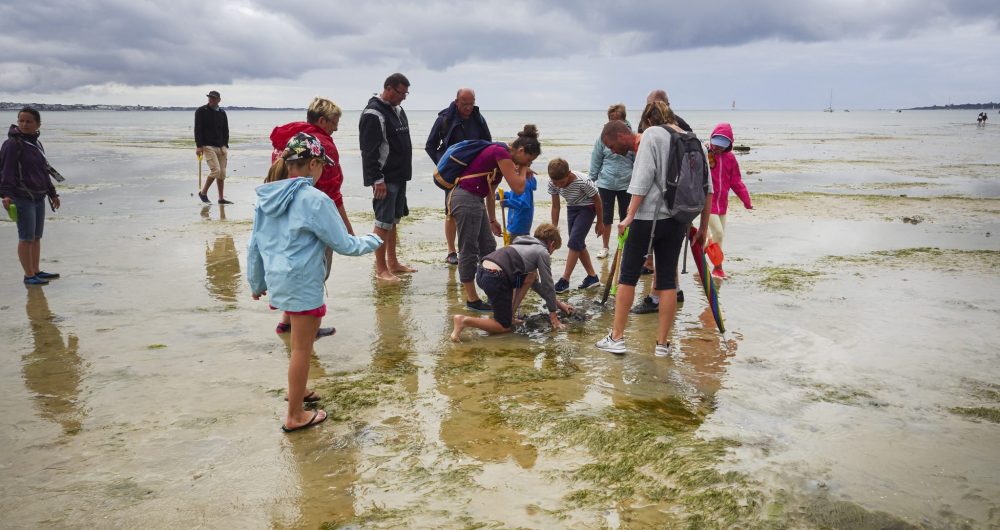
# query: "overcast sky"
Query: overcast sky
558,54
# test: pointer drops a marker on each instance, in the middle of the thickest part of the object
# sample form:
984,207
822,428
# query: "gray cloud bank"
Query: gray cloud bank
64,44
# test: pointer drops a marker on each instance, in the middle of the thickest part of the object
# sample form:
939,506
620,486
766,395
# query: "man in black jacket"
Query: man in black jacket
387,165
211,137
460,121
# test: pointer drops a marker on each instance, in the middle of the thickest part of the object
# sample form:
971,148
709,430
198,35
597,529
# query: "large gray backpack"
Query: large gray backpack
687,177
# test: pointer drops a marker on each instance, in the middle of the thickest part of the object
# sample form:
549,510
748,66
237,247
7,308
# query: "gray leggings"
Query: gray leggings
475,239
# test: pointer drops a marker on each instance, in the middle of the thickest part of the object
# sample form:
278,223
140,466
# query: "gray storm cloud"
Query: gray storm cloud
64,44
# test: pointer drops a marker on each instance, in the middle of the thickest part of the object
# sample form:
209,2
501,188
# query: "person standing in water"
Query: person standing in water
460,121
387,165
25,184
293,225
725,176
211,138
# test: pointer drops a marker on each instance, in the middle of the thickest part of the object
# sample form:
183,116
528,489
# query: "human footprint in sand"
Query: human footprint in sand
293,225
387,165
507,274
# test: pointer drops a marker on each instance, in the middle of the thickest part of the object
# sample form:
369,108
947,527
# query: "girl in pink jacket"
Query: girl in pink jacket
725,176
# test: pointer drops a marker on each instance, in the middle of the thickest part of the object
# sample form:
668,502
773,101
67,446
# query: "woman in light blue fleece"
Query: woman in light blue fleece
293,225
612,172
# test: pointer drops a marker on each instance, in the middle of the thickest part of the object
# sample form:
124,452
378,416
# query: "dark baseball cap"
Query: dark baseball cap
215,94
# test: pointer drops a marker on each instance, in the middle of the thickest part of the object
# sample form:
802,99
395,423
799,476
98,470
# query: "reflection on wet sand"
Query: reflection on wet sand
207,209
222,269
327,467
393,347
53,370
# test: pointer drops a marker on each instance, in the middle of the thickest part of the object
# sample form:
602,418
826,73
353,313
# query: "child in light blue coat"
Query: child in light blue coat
293,225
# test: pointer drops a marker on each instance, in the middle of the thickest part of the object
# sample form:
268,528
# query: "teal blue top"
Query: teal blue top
611,171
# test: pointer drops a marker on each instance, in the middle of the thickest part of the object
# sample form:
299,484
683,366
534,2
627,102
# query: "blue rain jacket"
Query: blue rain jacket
292,226
521,208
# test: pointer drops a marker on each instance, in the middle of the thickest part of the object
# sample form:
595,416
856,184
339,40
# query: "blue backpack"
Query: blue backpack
456,160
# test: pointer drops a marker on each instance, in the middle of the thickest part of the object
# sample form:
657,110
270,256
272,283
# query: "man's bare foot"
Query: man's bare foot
401,268
387,277
459,326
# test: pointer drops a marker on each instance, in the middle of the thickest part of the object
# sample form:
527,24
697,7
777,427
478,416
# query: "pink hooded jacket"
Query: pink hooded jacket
726,174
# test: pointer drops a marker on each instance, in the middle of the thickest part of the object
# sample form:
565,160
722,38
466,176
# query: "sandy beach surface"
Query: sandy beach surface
858,385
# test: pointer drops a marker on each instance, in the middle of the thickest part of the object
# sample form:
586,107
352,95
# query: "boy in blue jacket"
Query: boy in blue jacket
520,208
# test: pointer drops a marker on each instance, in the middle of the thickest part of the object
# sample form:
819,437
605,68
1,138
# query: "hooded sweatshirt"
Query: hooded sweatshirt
33,181
521,207
333,177
525,255
726,174
292,226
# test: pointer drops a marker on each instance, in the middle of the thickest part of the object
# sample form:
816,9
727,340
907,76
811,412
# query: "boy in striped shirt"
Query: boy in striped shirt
583,205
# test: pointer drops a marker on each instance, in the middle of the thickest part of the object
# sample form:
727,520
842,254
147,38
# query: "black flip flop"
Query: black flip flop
312,422
311,397
325,332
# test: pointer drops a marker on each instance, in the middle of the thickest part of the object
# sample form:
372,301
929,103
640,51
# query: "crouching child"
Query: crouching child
507,274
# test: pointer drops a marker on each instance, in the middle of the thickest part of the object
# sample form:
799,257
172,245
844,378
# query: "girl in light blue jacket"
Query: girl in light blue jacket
293,225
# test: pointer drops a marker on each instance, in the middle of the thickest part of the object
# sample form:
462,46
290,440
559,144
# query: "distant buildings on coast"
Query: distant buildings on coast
50,107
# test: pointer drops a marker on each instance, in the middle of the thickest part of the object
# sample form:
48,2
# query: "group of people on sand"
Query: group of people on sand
300,219
300,222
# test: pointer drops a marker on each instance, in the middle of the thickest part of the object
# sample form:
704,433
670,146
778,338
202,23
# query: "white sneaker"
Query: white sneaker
662,350
603,253
611,345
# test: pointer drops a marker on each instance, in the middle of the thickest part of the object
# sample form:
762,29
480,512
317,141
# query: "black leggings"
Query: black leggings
608,201
667,240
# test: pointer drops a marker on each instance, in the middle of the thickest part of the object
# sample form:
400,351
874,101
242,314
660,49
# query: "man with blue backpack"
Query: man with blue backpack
460,121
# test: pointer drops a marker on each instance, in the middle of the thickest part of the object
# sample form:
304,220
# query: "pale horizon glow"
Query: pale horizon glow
516,55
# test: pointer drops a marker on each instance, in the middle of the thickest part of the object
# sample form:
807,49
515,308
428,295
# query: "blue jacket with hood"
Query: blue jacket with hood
292,226
521,207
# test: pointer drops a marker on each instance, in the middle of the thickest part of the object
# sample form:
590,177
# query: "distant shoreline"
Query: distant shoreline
59,107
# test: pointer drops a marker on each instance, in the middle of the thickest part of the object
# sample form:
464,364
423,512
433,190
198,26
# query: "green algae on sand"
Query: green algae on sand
785,278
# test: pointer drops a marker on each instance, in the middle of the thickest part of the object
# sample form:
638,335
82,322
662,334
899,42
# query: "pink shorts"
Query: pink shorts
319,312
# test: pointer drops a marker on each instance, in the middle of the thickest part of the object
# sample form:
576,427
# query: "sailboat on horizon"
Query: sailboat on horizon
830,107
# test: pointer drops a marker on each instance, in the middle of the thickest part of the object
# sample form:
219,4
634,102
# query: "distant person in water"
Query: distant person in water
211,139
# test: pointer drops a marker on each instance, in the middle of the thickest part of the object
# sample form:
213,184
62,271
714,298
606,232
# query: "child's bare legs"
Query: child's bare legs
578,255
303,334
585,261
486,324
667,311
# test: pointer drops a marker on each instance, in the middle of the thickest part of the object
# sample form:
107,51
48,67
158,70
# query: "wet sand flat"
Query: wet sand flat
858,385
